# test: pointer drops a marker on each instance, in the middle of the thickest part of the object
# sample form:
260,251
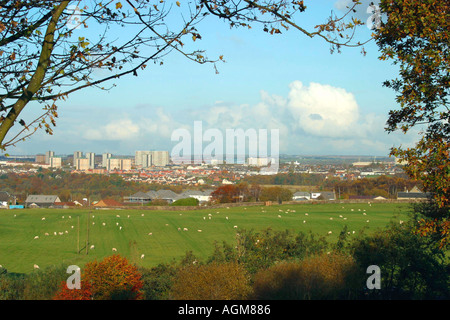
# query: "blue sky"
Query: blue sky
322,103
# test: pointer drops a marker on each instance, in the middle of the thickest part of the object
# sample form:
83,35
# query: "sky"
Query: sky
321,103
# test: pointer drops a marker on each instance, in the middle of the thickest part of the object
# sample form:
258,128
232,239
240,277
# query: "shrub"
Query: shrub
113,278
227,281
186,202
324,276
157,281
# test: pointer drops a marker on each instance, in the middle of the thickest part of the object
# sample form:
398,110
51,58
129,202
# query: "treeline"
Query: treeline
385,186
74,186
263,265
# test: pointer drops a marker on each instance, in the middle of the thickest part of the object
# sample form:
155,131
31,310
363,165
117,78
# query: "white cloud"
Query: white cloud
323,110
120,130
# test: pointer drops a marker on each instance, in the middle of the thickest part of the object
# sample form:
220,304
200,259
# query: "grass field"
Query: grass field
19,250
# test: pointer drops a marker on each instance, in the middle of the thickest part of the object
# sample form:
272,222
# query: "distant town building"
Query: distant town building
82,164
160,158
258,162
147,159
48,155
105,158
91,157
77,155
40,158
41,201
118,164
55,162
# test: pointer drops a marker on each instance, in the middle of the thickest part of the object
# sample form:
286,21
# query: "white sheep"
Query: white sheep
36,266
92,247
306,214
36,237
185,229
114,249
226,218
120,228
279,216
118,216
150,233
142,256
329,232
43,219
199,230
46,233
104,224
235,227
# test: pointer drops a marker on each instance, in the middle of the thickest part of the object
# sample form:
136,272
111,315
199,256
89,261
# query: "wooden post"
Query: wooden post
78,238
87,232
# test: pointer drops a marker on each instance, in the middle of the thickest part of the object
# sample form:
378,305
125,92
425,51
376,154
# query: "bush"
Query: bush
113,278
325,276
157,281
186,202
226,281
412,266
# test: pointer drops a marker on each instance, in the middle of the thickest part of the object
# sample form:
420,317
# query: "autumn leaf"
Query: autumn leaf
118,5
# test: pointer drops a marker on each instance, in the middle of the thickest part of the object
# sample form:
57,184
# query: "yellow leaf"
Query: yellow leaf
178,3
118,5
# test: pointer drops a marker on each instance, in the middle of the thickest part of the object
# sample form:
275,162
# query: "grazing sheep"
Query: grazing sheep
71,227
114,249
199,230
70,217
46,234
150,233
92,247
120,228
104,224
329,232
142,215
142,256
401,221
118,216
63,217
36,266
66,231
185,229
306,214
331,218
304,221
36,237
54,233
279,216
352,210
340,216
43,219
235,227
367,221
117,223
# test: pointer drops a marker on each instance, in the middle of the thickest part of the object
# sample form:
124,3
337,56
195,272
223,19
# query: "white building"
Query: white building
55,162
105,158
91,157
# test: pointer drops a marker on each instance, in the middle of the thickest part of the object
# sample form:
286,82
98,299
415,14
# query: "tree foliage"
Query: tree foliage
47,51
113,278
416,37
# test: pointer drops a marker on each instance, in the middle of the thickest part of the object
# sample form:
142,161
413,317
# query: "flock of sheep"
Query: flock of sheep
185,229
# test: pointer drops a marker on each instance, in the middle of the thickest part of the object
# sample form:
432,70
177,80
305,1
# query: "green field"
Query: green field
19,250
